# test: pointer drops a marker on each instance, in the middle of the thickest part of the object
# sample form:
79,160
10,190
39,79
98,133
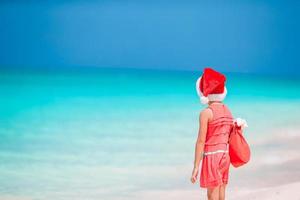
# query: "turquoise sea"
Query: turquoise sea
109,134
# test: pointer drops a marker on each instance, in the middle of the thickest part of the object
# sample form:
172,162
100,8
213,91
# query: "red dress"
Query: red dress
216,160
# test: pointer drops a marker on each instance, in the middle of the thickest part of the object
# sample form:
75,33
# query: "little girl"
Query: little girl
212,143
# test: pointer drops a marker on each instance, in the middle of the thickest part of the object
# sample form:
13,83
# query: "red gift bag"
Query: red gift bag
239,150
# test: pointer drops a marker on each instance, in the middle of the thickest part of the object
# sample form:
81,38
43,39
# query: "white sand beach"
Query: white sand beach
288,191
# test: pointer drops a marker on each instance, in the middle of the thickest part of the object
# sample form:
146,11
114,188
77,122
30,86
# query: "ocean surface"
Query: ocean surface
112,134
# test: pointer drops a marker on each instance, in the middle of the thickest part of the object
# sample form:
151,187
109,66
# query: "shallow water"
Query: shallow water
110,133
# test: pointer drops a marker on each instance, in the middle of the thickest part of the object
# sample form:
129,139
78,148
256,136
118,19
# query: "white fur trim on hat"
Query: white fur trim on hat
210,97
198,87
218,97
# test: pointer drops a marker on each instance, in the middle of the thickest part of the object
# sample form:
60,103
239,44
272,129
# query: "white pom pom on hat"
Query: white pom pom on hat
211,86
204,100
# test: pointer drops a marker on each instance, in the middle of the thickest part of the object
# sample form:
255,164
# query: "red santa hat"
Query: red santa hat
211,86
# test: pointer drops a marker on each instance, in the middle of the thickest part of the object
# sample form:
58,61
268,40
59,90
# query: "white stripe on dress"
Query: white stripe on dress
213,152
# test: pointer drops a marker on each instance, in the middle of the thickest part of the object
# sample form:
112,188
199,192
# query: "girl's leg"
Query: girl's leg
213,193
222,192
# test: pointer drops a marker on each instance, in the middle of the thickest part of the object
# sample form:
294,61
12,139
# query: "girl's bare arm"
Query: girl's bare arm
203,120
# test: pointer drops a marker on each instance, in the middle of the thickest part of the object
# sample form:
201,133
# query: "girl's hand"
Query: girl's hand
194,174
